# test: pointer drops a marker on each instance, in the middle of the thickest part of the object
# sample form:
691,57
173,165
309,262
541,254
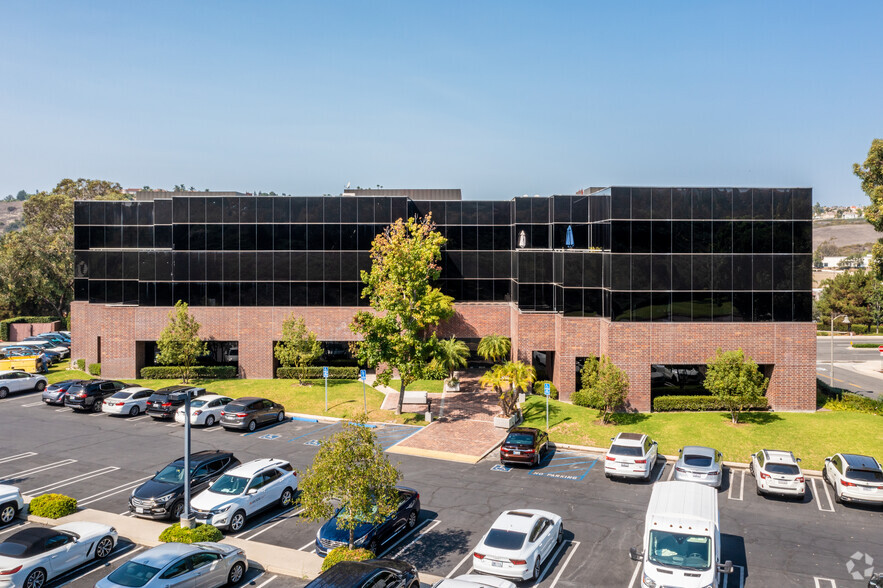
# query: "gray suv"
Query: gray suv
251,412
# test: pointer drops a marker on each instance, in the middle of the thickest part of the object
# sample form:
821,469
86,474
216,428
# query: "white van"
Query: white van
682,540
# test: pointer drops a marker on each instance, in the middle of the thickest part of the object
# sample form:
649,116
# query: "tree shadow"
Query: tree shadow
755,418
437,548
538,411
628,418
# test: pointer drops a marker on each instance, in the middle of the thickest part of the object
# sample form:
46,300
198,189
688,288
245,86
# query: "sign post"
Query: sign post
186,521
880,349
363,376
325,375
548,392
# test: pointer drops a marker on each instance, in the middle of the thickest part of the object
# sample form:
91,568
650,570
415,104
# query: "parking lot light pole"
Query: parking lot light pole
325,375
363,375
186,519
845,322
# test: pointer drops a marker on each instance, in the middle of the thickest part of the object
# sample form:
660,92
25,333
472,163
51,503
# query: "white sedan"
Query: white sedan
473,581
35,555
205,410
128,401
19,381
518,543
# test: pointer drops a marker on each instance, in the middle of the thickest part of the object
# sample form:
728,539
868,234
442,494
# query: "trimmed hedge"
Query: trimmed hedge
165,372
339,554
4,324
80,364
95,369
315,373
198,534
538,389
588,399
865,345
707,403
52,506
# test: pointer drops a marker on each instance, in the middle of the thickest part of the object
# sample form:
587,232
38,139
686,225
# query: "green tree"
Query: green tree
871,175
589,374
508,380
736,380
817,258
828,248
84,189
21,196
298,348
612,384
875,304
847,293
400,333
450,354
350,469
817,209
851,261
179,342
494,347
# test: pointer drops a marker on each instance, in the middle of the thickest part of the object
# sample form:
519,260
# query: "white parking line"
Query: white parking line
95,414
635,575
307,545
38,469
173,425
741,485
819,581
111,491
566,561
213,429
818,497
140,418
13,528
671,473
549,562
462,561
432,525
270,579
63,409
268,527
125,553
662,471
17,456
30,404
73,480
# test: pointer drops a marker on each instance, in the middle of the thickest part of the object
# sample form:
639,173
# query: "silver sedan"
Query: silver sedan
700,464
206,565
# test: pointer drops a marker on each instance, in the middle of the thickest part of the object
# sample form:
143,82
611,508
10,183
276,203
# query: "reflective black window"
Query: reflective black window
742,203
264,209
701,203
702,237
722,237
197,210
642,235
662,201
641,267
214,210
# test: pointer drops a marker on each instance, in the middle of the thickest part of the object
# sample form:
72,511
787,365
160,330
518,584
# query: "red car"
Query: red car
524,445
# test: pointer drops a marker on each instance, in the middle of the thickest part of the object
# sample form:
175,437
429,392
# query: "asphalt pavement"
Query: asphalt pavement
846,362
99,459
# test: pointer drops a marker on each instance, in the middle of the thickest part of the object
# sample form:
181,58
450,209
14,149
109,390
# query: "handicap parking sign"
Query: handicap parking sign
362,375
325,372
546,389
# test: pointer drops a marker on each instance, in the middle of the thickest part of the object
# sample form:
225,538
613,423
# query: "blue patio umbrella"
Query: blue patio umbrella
568,238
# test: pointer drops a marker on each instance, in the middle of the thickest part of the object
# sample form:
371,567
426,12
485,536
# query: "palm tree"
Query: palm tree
508,380
494,347
451,354
497,379
520,375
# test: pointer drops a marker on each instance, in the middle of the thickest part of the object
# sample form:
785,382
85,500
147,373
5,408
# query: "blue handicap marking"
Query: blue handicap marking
269,437
566,466
314,442
546,389
389,435
500,468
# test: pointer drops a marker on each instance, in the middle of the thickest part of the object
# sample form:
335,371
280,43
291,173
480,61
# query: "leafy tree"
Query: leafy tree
494,347
350,469
589,374
508,380
871,175
21,196
817,209
850,261
827,248
83,189
847,293
613,386
817,258
875,304
298,347
736,380
450,354
400,334
179,342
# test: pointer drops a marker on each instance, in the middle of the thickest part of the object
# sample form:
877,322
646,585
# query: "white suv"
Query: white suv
631,455
777,472
854,478
11,504
244,491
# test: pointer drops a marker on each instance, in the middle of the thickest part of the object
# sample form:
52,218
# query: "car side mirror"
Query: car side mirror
635,554
611,438
827,459
252,491
726,567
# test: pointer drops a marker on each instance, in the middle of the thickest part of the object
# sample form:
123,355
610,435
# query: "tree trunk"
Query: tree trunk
401,396
351,542
735,415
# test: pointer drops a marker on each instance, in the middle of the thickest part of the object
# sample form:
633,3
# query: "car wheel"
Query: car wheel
536,568
280,417
35,579
252,425
837,498
238,521
96,405
536,461
41,385
236,573
751,468
209,421
177,509
287,498
4,392
7,513
757,489
134,411
825,475
373,547
412,519
104,547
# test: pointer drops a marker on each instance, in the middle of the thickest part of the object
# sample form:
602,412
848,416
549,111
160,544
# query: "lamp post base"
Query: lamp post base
187,522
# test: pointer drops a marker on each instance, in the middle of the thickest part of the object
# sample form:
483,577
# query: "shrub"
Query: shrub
707,403
315,372
167,372
95,369
844,400
52,506
822,333
865,345
587,398
199,533
538,389
80,364
4,324
860,329
339,554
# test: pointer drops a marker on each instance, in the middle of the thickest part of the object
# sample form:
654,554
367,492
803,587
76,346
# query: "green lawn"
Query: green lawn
431,386
345,397
811,436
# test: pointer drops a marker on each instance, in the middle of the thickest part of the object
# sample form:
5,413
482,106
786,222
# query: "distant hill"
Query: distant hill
850,236
10,216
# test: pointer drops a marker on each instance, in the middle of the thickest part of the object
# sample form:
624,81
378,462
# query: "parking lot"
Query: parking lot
99,459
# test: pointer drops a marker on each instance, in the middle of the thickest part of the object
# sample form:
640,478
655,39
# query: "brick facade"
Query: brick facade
634,346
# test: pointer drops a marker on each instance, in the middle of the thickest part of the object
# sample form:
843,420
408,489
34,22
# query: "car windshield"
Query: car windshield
626,450
500,539
520,439
680,551
228,484
197,403
121,395
785,469
865,475
132,574
171,474
699,461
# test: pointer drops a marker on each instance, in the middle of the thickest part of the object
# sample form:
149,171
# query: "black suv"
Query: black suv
90,394
163,495
163,403
362,574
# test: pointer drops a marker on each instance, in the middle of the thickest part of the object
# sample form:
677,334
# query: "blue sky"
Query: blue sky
497,98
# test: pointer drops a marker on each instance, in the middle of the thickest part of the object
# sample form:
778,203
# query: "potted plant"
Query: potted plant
451,354
453,384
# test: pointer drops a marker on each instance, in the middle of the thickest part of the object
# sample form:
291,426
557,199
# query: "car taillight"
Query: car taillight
241,415
81,395
197,413
845,483
478,555
518,562
223,413
166,404
528,451
611,458
640,461
764,476
682,470
799,479
10,571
